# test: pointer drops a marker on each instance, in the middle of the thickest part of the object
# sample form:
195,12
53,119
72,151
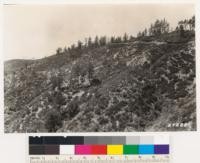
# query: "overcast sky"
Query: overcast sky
36,31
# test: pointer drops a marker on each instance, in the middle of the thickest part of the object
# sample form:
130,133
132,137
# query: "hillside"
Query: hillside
147,84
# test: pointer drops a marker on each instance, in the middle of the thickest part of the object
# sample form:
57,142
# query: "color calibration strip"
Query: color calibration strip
99,145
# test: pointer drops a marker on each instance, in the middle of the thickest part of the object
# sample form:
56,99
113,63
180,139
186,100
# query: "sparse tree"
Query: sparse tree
89,43
125,37
96,41
68,49
139,34
112,39
145,32
65,50
118,39
59,51
151,30
193,23
102,40
190,24
80,44
73,47
182,31
86,42
131,38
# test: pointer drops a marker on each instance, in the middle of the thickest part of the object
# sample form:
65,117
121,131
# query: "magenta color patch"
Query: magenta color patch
83,149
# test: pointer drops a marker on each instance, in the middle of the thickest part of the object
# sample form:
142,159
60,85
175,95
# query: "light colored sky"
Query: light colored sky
36,31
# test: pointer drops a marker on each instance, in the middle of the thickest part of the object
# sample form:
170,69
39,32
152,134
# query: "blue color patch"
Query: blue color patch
146,149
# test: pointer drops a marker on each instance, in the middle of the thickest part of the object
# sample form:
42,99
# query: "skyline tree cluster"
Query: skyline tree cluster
157,28
187,24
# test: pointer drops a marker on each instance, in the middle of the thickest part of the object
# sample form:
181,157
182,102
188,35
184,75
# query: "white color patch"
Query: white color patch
67,149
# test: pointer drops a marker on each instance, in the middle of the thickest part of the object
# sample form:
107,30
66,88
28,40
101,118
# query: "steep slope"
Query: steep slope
144,85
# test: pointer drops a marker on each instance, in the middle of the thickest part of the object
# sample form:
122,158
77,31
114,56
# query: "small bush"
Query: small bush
53,121
56,81
95,82
59,99
73,109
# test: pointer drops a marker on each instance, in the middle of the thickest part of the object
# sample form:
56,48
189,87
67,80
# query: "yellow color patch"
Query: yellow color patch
115,149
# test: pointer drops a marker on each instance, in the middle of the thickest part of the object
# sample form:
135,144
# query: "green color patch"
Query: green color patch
130,149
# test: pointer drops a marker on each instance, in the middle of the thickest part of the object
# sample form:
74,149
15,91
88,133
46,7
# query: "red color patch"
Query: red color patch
99,149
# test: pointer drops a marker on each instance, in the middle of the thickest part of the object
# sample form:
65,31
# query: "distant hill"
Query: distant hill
147,84
16,64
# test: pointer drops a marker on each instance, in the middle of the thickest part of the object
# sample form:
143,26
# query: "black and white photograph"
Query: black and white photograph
99,68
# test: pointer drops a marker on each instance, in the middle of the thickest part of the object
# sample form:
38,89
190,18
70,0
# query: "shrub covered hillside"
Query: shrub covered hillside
145,83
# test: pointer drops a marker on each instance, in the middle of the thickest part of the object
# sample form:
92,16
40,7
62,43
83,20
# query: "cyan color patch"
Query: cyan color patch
146,149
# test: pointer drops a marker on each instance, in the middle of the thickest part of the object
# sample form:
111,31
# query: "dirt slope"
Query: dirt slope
145,85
